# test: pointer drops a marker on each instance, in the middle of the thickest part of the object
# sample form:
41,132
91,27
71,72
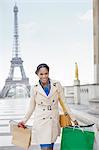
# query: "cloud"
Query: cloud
87,16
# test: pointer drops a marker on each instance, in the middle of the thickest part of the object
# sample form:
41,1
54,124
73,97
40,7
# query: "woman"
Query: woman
44,104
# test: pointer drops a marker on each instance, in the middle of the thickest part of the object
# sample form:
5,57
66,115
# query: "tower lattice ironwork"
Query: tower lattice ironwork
16,61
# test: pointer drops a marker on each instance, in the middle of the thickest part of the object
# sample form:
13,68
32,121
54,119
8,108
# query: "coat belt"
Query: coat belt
48,107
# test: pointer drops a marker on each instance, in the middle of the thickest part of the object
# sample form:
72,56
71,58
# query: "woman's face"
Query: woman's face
43,75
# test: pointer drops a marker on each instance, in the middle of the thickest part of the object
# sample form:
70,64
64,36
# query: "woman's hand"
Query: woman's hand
21,124
75,122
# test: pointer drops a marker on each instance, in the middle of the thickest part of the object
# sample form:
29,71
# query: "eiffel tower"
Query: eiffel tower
16,62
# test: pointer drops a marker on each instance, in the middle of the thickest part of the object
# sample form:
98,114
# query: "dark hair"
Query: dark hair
41,66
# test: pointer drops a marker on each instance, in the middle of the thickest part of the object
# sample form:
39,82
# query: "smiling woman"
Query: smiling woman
44,105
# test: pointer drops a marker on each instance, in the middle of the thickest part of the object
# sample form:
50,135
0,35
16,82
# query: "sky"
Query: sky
56,32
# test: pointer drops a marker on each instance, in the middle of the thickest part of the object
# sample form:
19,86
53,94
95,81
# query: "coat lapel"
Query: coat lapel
41,91
52,90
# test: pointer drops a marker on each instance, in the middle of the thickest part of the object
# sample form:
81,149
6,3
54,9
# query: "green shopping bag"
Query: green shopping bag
77,139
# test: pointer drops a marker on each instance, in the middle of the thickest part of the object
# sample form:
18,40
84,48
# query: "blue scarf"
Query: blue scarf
46,88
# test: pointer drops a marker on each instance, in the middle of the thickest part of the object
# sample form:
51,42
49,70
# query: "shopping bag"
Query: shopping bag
64,120
21,137
77,139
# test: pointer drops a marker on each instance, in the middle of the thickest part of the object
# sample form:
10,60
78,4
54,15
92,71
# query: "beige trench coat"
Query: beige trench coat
46,126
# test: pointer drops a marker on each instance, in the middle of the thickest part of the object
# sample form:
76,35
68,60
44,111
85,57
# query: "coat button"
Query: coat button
53,100
50,117
41,102
43,109
43,118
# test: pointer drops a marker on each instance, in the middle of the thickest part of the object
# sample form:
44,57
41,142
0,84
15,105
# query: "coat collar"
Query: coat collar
52,90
